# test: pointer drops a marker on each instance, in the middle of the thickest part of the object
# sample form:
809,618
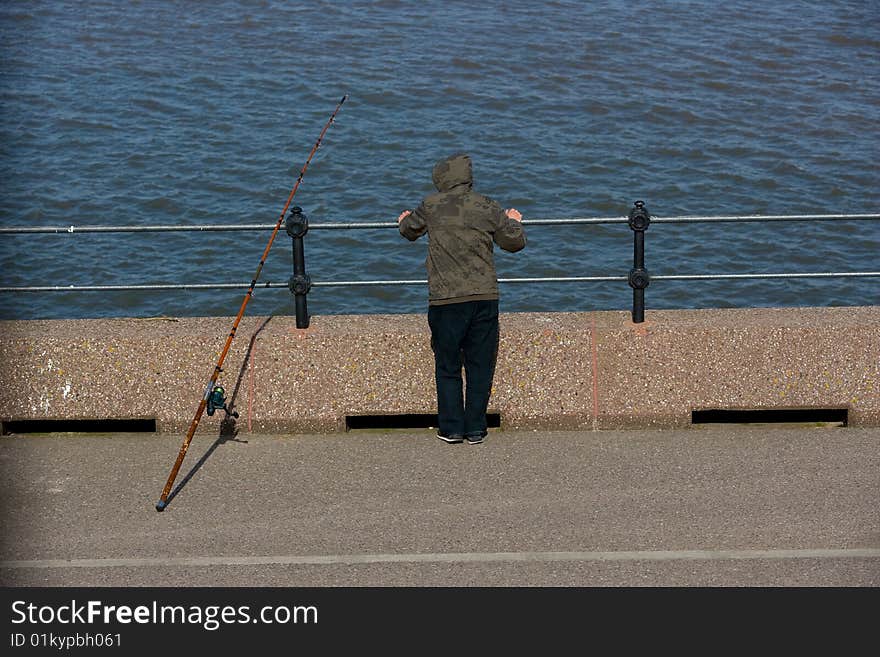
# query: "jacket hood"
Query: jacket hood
453,171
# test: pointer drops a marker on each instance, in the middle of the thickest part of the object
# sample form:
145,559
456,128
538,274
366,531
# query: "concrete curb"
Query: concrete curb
593,370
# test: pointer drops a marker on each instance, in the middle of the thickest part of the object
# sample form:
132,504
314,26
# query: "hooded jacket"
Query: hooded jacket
463,226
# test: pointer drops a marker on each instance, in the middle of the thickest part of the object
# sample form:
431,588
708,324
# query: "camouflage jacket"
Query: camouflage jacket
463,226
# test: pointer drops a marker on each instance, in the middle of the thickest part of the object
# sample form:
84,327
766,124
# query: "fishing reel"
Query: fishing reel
217,401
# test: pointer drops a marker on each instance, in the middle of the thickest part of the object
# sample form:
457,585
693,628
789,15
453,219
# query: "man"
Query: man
463,226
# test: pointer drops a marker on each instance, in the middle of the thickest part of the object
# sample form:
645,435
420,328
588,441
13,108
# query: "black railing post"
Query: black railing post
639,219
300,283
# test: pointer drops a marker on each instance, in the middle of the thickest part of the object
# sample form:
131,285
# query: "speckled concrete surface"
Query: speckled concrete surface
555,370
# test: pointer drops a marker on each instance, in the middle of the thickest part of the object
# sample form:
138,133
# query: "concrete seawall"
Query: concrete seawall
591,370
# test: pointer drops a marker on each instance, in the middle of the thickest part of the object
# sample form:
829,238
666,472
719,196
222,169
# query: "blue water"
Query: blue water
142,113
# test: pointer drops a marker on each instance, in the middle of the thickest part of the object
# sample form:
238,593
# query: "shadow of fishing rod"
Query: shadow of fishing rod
228,427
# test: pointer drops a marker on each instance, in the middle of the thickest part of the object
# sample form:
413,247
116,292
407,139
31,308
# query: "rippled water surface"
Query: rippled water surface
181,113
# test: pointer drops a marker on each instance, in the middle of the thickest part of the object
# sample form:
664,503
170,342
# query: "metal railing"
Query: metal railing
297,225
203,228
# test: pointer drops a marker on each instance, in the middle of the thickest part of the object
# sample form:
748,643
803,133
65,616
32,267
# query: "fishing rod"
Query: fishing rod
214,397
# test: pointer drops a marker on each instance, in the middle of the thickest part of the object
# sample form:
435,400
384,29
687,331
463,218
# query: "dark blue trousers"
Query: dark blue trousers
464,334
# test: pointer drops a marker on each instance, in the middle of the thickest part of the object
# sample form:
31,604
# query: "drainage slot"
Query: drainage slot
78,426
770,416
406,421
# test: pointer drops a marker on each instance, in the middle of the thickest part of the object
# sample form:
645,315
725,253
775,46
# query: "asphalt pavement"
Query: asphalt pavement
738,505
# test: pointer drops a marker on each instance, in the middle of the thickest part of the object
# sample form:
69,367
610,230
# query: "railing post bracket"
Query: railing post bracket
639,278
297,225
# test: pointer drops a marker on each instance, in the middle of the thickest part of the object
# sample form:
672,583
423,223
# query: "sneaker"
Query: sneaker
475,439
449,438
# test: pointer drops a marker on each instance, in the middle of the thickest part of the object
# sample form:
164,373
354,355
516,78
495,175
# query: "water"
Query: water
143,113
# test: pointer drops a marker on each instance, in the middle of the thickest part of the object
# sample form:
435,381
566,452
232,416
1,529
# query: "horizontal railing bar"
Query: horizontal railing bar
530,222
221,286
8,230
696,277
135,229
548,279
623,220
120,288
566,279
248,227
764,217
